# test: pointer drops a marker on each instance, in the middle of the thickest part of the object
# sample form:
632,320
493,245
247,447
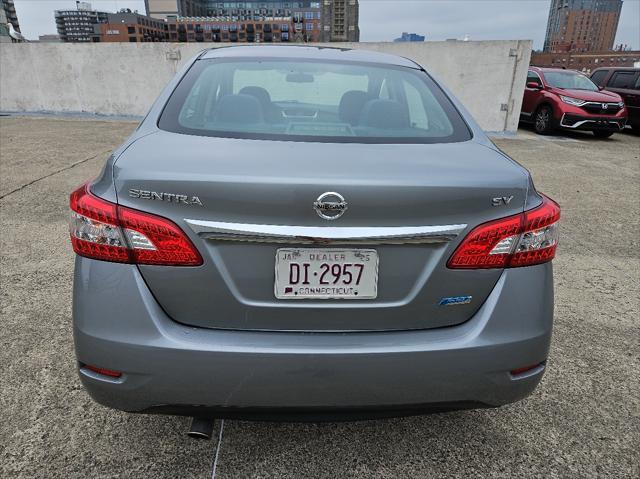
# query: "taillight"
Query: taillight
109,232
521,240
94,228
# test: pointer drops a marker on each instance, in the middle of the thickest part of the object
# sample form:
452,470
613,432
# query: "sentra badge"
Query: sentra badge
170,197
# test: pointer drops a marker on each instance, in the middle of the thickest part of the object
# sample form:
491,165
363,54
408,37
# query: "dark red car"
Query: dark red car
625,81
555,98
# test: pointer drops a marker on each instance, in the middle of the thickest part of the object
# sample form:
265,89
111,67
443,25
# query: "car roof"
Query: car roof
308,52
546,69
621,69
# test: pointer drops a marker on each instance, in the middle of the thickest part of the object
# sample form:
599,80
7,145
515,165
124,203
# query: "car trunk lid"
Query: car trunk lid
201,183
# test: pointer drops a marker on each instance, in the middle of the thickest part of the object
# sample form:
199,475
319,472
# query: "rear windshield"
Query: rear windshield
569,81
312,101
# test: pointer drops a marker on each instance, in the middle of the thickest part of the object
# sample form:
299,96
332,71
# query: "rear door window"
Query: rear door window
624,80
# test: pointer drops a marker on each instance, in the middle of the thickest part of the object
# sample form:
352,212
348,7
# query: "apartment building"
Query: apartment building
325,20
130,27
582,25
78,25
224,29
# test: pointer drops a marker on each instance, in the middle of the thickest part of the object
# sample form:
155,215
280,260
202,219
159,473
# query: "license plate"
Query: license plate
326,274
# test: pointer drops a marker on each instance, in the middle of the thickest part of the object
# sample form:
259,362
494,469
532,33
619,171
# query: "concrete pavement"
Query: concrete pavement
583,420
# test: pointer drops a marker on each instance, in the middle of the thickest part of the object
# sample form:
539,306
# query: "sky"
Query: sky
384,20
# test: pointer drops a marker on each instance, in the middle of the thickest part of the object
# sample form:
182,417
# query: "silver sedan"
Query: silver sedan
305,233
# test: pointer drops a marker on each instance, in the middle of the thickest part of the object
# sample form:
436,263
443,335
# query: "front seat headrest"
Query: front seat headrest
259,93
385,115
238,109
351,105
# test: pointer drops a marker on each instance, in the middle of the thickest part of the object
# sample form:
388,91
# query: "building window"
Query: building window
133,39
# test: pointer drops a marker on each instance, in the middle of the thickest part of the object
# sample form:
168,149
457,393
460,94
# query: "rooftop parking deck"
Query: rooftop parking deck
582,421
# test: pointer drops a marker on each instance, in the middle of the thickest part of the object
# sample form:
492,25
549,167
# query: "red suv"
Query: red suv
555,98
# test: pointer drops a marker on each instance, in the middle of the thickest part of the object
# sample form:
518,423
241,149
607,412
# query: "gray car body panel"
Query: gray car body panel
119,324
214,336
276,183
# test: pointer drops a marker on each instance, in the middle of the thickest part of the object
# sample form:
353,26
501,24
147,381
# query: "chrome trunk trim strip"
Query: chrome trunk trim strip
323,235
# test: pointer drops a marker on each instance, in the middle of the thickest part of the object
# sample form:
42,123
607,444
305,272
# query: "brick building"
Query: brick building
224,29
582,25
130,27
585,61
86,25
325,20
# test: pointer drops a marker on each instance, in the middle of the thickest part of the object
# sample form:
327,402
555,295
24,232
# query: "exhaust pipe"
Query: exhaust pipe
201,428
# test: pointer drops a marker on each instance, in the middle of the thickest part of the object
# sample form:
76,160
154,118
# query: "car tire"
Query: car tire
603,134
543,120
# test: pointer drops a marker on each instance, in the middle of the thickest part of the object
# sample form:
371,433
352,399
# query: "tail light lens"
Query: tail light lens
521,240
109,232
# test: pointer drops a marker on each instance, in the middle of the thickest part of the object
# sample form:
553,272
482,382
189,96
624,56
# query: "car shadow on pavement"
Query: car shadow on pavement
459,444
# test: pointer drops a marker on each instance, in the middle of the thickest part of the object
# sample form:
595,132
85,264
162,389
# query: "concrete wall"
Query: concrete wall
124,78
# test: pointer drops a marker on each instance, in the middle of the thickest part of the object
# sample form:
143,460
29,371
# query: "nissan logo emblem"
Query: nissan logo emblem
330,206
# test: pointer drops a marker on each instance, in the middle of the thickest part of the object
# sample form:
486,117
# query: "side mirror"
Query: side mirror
534,85
600,87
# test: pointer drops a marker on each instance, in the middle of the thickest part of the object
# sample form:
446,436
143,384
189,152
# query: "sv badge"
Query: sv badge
501,200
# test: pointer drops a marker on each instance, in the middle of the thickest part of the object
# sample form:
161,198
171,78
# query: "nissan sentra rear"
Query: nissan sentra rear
304,233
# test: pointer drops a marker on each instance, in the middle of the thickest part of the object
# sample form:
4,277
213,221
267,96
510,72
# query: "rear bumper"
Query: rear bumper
171,368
